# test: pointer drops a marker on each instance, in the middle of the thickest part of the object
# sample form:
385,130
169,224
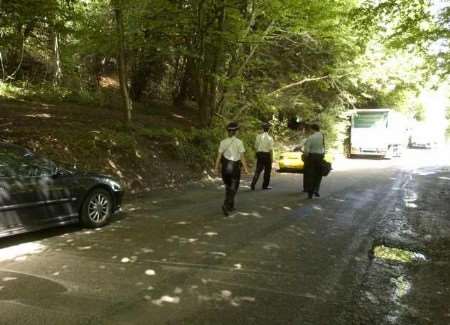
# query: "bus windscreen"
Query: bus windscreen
370,120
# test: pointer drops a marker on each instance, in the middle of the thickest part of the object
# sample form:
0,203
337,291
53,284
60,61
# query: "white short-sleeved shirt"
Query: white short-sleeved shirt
314,143
232,148
264,142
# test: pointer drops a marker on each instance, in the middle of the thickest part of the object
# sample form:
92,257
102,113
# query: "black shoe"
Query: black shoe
267,188
252,187
310,195
225,211
317,194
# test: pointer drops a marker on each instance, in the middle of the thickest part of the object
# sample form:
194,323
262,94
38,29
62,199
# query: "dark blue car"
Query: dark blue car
36,193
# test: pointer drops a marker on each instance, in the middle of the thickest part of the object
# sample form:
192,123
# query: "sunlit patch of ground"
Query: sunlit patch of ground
21,251
397,254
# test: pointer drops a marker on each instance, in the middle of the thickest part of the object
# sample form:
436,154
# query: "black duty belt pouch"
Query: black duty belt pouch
229,167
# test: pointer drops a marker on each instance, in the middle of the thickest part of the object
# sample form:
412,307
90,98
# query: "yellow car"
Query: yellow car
292,162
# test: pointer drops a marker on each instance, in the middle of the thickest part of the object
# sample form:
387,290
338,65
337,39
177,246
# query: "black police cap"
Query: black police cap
232,126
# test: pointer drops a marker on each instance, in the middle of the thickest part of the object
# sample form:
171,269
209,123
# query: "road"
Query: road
173,258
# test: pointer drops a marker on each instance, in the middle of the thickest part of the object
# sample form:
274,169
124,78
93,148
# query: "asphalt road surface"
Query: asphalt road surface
173,258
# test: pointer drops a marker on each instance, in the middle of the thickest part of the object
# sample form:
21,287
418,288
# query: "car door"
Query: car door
7,214
30,196
16,195
50,194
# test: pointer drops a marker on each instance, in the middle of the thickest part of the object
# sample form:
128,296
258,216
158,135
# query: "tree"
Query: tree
123,73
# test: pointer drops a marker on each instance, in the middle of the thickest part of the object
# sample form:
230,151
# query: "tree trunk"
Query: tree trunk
214,60
187,85
122,60
204,103
2,66
140,75
57,63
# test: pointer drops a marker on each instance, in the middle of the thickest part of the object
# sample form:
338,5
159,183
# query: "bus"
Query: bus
379,132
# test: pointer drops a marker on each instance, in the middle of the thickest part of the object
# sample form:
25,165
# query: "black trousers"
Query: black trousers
231,176
312,175
263,162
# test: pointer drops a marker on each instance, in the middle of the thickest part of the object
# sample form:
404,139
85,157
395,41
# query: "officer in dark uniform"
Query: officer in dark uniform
229,160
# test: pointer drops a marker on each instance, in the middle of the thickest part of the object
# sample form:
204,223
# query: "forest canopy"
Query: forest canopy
229,58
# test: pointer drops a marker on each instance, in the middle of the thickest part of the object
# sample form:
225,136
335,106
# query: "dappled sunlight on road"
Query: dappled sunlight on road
172,255
20,252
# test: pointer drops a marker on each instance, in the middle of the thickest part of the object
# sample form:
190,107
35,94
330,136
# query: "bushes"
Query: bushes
196,147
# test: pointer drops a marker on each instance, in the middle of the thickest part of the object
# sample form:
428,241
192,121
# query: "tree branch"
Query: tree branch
295,84
11,76
254,48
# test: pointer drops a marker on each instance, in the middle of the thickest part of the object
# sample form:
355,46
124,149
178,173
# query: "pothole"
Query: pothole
397,254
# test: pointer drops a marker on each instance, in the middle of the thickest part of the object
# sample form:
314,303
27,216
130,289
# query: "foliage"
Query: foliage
224,55
251,60
448,127
421,26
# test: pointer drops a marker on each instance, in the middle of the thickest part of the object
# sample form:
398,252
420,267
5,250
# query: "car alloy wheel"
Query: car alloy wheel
97,208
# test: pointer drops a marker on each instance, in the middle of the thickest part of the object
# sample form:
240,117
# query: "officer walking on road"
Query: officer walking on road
314,151
229,161
264,156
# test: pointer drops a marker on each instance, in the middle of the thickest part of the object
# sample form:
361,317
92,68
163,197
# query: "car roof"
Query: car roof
14,149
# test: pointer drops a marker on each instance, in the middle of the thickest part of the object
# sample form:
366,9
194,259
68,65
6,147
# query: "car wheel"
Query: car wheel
97,209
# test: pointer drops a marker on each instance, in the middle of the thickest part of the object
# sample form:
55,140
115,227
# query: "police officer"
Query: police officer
231,158
264,156
314,151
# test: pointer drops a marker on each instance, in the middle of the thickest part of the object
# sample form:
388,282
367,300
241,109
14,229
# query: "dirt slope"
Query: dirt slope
95,138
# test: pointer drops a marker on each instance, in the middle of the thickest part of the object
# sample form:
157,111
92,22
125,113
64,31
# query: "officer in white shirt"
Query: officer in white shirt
314,151
231,158
264,156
